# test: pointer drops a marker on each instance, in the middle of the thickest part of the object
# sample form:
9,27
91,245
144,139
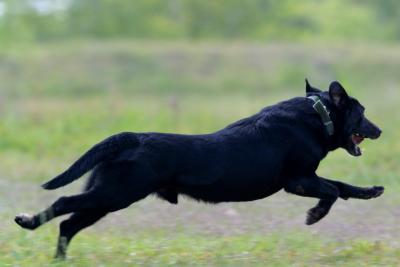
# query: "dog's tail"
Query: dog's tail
102,151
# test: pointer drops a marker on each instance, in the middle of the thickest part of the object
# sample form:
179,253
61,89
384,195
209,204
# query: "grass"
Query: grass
174,249
161,68
60,99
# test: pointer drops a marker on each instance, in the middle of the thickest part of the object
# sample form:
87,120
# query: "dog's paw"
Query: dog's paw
374,192
315,214
378,190
25,221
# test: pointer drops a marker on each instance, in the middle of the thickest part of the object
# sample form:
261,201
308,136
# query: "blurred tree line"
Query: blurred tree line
43,20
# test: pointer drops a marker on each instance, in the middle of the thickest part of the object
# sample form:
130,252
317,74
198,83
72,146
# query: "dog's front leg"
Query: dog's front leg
317,188
350,191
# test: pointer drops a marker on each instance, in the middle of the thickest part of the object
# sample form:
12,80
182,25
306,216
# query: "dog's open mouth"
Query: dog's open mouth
354,142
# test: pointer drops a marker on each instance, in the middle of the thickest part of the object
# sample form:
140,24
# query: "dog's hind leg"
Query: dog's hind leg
316,188
350,191
70,227
88,201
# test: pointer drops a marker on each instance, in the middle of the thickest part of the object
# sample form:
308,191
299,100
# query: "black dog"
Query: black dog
278,148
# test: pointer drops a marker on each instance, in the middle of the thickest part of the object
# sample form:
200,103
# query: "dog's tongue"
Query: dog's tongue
357,139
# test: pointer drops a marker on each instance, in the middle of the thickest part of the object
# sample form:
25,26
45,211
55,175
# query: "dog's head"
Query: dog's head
347,114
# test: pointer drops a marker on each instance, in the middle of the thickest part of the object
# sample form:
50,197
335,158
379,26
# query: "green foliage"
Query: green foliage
308,20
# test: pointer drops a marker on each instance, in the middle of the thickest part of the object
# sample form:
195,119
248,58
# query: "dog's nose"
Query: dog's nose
378,134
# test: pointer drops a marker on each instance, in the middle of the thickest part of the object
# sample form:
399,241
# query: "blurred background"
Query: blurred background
74,72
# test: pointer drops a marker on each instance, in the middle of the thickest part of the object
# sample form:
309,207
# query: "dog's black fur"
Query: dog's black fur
278,148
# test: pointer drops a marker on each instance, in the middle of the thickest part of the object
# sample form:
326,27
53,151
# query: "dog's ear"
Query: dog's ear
310,89
338,94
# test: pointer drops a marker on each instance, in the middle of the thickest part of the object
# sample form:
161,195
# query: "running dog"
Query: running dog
280,147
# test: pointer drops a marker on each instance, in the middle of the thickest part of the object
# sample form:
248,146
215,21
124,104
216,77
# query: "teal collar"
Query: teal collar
323,112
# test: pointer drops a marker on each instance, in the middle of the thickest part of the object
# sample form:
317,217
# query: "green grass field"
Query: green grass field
58,100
